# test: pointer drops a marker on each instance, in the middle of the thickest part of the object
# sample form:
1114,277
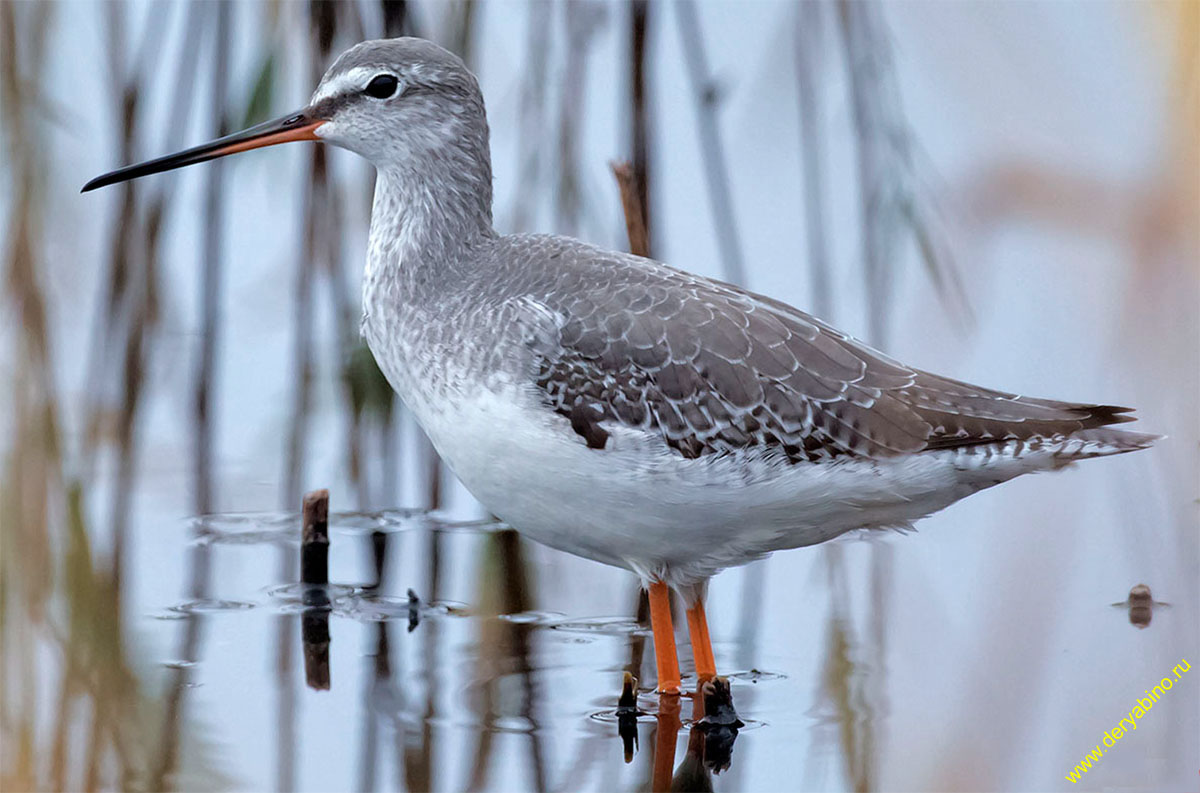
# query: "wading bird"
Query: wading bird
614,407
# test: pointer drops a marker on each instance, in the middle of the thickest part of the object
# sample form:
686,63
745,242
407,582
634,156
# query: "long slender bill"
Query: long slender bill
298,126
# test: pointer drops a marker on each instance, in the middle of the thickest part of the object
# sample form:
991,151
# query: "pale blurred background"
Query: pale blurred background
1006,193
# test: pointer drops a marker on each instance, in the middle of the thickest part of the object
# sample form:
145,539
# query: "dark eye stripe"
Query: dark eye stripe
382,86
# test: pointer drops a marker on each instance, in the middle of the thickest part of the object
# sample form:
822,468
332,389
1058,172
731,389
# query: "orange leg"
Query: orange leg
664,638
706,663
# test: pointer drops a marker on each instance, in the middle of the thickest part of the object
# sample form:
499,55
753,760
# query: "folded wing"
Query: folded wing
711,368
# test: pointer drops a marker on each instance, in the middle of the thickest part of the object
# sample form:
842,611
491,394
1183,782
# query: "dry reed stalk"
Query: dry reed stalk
808,48
631,205
639,116
314,539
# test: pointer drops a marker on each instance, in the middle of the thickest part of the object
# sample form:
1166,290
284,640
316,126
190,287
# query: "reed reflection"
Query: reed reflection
849,698
504,670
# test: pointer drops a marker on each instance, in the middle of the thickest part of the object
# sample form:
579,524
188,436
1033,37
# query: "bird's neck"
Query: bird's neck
426,220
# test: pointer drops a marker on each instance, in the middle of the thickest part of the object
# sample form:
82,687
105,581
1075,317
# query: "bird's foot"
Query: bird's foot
718,704
719,724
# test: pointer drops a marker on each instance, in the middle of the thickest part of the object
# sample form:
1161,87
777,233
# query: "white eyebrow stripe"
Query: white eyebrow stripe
353,80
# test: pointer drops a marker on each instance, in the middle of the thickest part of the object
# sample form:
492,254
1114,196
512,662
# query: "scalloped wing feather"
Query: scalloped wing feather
711,368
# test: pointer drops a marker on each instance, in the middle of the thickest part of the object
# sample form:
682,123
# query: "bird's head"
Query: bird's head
400,103
396,100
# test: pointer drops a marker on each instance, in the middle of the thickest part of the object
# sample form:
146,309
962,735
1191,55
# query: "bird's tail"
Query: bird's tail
1101,442
986,465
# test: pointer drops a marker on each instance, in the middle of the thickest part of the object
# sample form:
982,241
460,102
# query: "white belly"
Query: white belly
640,505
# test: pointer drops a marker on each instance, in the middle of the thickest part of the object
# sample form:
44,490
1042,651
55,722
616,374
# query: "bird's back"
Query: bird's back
709,368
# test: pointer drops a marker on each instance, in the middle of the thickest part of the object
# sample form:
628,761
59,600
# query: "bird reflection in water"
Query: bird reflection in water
714,730
711,743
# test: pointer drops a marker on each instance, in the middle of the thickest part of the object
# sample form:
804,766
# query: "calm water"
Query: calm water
862,665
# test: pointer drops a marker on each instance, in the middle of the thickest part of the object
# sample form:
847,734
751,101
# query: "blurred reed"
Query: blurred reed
582,23
639,112
809,39
890,197
706,92
53,594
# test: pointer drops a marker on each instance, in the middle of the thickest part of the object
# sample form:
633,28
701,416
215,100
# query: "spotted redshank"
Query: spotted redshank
620,409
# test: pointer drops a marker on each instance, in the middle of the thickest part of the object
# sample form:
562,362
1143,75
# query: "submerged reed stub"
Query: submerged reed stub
314,572
627,714
314,539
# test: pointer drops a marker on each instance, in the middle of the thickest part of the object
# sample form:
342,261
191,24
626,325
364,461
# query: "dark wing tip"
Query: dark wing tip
1072,418
1103,415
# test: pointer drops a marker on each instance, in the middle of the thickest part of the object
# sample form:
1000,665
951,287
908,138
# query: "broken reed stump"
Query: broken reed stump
314,539
635,212
314,575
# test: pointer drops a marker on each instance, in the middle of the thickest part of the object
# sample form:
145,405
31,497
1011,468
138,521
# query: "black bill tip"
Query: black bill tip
294,127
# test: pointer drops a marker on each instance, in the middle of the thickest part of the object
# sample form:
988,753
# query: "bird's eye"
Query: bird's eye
382,86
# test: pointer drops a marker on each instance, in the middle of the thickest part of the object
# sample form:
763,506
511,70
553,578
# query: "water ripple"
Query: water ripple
209,606
755,676
533,617
254,528
609,626
299,594
246,528
384,608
